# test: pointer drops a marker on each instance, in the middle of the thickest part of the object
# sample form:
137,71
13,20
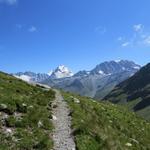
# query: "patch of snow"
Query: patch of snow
101,72
109,74
24,78
123,68
136,67
117,61
50,73
61,72
131,75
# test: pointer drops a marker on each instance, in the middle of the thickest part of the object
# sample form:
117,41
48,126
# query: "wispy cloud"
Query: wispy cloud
32,29
138,27
121,38
139,37
100,30
147,40
19,26
9,2
125,44
26,28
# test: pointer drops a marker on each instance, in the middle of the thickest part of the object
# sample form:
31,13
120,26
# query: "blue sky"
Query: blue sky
39,35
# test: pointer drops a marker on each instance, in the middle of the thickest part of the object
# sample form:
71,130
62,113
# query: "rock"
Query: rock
54,106
3,106
4,116
135,141
70,113
76,100
128,144
30,106
24,105
40,124
8,131
54,117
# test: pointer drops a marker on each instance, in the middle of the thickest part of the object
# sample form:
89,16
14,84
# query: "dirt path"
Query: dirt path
62,137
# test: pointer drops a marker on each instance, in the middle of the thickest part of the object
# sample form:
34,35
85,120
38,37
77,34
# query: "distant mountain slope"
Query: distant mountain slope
96,83
59,73
99,81
134,92
24,115
113,67
31,76
105,126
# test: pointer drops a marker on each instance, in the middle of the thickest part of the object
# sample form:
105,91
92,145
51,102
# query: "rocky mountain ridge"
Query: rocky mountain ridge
98,82
95,83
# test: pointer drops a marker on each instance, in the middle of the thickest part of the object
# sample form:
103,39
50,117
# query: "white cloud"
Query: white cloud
138,27
139,36
120,38
9,2
100,30
25,27
32,29
125,44
147,40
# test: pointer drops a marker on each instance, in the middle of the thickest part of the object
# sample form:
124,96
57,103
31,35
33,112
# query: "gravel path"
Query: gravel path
63,140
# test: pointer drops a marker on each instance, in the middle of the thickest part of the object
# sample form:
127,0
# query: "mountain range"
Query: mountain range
95,83
60,72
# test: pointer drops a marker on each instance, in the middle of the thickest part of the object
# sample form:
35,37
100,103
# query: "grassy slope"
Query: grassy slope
24,115
104,126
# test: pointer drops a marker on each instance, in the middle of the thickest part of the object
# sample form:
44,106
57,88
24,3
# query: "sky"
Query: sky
39,35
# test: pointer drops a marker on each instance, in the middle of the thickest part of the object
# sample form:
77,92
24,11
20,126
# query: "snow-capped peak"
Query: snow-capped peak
62,68
117,61
50,73
61,72
137,67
